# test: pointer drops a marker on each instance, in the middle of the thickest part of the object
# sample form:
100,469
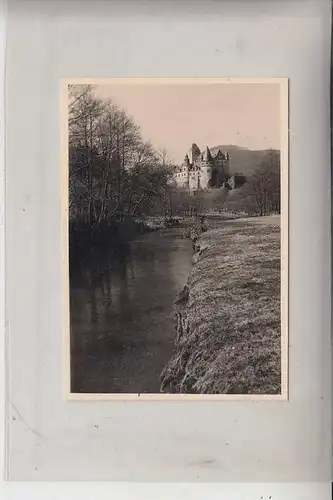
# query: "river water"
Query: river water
122,327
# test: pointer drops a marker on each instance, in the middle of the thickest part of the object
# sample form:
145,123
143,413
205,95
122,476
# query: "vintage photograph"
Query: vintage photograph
176,222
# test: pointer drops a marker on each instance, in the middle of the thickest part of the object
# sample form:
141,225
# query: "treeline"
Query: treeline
113,172
260,194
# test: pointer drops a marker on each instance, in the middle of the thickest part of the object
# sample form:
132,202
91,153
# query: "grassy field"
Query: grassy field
228,320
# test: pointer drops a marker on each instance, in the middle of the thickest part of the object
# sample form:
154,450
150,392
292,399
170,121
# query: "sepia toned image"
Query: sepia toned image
176,237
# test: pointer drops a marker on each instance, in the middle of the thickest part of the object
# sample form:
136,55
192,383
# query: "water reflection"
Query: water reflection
122,330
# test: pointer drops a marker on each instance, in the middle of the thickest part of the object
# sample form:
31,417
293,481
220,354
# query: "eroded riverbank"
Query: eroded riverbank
228,319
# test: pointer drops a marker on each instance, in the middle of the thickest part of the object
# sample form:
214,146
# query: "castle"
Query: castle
202,169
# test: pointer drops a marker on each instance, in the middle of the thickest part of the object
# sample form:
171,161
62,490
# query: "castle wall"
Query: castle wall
226,167
194,180
182,177
206,174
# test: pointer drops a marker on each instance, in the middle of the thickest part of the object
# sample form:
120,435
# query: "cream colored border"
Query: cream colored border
284,118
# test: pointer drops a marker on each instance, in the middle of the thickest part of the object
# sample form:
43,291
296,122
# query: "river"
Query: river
122,327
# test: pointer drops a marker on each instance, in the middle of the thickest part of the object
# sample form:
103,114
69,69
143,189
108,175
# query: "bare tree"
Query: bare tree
113,171
260,195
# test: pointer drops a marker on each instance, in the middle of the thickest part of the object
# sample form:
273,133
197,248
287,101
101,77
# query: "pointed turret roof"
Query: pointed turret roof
207,155
186,159
195,151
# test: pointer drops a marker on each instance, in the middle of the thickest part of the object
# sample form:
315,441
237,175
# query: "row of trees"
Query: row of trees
260,194
113,172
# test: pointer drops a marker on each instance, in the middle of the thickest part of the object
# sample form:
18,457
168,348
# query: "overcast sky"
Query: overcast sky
173,116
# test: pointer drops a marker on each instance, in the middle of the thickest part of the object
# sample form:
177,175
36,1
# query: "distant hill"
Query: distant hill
242,160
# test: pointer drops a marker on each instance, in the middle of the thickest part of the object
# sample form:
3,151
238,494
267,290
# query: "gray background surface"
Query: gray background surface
52,440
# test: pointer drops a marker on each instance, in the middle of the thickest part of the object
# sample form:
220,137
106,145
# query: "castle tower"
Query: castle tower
226,164
207,155
185,172
221,164
219,158
206,168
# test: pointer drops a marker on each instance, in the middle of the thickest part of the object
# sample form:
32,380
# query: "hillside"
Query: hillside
242,160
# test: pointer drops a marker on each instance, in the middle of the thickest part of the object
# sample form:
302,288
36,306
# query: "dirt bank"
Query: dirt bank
228,317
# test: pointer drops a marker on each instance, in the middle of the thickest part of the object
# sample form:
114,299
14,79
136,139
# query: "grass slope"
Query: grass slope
228,324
